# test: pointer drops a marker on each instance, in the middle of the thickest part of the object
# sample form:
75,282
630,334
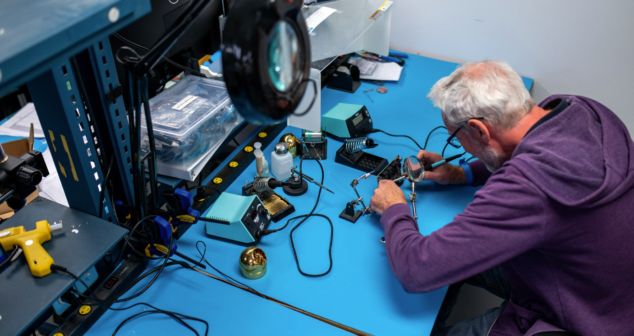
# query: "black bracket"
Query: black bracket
114,94
349,214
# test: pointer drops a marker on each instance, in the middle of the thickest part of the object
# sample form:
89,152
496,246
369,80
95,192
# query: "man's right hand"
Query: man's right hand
443,174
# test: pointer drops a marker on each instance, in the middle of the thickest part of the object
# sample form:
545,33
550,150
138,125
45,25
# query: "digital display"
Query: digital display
356,120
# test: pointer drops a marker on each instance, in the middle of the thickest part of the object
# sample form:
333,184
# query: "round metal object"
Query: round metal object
382,89
292,142
281,148
262,134
217,180
233,164
253,262
248,149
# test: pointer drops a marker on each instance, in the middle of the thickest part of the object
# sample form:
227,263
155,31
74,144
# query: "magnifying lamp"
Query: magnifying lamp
266,58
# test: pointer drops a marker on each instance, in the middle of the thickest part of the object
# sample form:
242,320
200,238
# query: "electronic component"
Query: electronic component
391,172
314,144
237,218
360,160
278,206
358,144
346,121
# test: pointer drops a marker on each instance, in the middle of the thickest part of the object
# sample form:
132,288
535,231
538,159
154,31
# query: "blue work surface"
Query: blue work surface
360,291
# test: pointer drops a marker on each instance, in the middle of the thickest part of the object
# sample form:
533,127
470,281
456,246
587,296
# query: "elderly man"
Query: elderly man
551,229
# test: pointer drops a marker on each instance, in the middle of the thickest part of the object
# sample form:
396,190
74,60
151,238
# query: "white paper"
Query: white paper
20,123
51,186
366,67
385,72
318,17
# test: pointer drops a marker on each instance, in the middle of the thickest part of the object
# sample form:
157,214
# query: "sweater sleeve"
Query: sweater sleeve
506,219
480,172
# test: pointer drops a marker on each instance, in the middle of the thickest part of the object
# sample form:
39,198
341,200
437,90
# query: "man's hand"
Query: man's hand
386,195
443,174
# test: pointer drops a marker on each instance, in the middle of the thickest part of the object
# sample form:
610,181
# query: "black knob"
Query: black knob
29,175
263,211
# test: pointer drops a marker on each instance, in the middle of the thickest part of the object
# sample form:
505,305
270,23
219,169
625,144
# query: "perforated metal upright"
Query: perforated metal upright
98,65
62,114
84,128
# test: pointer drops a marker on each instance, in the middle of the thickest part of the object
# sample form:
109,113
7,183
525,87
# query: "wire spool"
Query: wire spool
358,144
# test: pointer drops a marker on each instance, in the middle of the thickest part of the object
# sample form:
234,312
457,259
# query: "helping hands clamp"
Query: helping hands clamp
348,213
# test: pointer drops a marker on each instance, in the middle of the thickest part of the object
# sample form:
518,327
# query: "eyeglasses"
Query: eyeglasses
453,140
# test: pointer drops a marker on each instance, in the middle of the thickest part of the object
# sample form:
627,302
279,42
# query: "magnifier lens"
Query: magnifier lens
283,50
414,169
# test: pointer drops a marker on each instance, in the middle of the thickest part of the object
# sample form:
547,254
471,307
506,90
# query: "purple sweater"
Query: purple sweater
558,217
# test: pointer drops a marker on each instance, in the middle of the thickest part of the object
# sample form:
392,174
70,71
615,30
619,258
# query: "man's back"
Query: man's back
580,163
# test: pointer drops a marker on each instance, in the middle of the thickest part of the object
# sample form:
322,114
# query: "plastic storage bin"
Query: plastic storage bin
191,120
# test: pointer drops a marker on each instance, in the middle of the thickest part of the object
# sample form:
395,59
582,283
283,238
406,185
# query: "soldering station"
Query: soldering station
164,151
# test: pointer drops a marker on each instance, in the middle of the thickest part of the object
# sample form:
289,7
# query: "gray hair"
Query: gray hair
490,89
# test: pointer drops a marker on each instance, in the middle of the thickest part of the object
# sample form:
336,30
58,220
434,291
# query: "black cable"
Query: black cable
443,150
305,217
314,97
374,130
471,158
332,229
184,68
401,136
429,135
130,235
134,296
177,316
11,256
202,258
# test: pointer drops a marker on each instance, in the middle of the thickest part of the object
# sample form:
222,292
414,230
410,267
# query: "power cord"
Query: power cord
177,316
101,301
375,130
305,217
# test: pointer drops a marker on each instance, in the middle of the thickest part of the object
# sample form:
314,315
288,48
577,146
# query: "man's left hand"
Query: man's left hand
386,195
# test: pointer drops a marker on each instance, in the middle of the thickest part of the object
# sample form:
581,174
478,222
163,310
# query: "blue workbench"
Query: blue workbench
361,291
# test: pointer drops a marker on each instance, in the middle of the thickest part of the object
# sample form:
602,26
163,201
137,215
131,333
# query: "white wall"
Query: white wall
567,46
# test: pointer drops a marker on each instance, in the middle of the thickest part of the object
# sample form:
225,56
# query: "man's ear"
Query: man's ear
479,131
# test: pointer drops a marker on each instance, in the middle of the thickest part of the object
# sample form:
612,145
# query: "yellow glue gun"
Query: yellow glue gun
31,243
